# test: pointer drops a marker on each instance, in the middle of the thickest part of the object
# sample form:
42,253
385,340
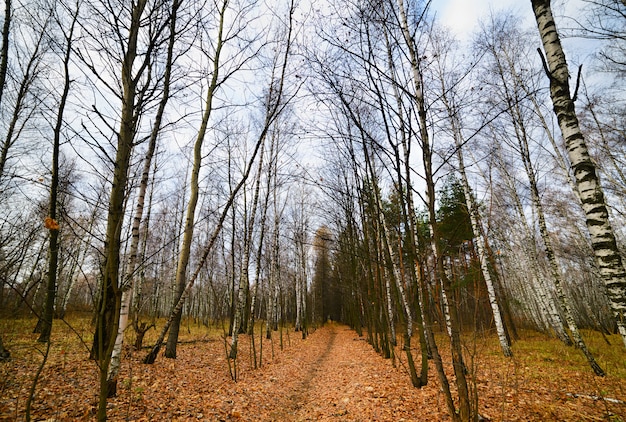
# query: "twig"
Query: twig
580,68
33,387
545,65
595,398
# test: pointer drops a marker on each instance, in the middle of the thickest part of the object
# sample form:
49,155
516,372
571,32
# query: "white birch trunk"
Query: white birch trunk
263,223
455,339
542,291
446,308
127,286
590,191
274,279
543,230
298,323
397,275
392,323
300,281
476,224
244,279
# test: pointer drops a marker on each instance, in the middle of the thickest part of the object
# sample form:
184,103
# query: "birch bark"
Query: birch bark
555,270
128,285
404,181
475,221
590,191
110,300
465,411
395,269
541,290
6,31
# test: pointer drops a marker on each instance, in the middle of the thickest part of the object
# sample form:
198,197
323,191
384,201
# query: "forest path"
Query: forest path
336,375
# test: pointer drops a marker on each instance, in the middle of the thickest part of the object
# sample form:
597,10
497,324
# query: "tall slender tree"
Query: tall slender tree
215,80
51,222
607,254
129,275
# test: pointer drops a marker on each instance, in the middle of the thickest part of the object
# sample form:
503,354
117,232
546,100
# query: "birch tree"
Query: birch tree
134,35
129,275
417,81
244,278
522,136
4,353
476,223
608,257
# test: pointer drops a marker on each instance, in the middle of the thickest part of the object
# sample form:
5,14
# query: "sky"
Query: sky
462,16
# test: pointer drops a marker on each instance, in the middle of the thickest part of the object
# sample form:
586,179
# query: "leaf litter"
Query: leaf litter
332,375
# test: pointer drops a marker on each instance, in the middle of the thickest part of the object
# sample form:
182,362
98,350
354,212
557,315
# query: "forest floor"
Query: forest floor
332,375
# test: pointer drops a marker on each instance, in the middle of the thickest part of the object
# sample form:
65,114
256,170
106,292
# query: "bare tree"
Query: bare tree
51,222
608,257
215,58
127,286
126,27
278,100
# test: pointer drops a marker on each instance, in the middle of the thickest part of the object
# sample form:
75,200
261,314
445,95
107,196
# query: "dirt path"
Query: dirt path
335,375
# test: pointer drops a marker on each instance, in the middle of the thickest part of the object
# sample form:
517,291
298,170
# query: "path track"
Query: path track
333,377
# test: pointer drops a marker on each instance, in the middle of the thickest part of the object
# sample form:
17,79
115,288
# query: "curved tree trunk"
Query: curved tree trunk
185,249
590,191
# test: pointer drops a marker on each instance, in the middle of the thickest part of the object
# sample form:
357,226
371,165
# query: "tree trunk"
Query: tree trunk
52,219
273,155
524,150
465,412
4,59
590,191
185,250
129,282
244,279
110,295
476,224
274,272
540,289
5,355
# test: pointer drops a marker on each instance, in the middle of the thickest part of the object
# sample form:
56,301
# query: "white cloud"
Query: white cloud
462,16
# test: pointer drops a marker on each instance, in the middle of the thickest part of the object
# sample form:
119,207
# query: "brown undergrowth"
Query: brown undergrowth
332,375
